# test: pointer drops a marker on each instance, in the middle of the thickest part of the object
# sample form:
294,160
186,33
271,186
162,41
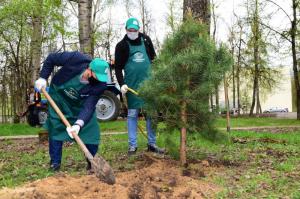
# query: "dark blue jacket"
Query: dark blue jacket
72,64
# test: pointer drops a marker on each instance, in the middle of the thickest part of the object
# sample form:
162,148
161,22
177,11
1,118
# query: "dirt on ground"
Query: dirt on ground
153,178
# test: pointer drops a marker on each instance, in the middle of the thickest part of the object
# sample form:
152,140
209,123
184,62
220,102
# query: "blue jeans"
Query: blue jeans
132,122
55,150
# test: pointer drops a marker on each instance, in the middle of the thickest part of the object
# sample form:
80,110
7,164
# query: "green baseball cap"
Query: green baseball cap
132,23
99,67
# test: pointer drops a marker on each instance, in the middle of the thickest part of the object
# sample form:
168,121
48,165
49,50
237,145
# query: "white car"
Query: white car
276,110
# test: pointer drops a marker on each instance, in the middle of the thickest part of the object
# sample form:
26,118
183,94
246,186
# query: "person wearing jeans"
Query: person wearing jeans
132,122
133,55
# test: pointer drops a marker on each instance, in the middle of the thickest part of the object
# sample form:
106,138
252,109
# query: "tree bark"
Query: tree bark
233,77
36,39
227,104
255,31
183,133
295,67
258,107
85,28
238,71
255,83
217,97
200,10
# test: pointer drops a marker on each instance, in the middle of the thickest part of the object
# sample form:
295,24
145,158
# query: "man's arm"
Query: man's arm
88,109
55,59
89,105
121,57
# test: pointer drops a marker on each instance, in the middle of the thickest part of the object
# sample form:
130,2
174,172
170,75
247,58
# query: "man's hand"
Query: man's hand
75,129
124,89
40,83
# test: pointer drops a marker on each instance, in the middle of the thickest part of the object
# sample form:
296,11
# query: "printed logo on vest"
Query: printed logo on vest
71,93
138,57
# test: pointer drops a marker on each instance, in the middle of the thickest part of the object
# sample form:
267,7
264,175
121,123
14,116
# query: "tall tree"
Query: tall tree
21,41
145,16
214,30
233,75
263,77
256,45
36,39
171,16
238,64
290,36
103,33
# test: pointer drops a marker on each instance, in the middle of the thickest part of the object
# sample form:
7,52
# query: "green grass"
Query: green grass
18,129
113,126
254,165
121,125
264,121
25,129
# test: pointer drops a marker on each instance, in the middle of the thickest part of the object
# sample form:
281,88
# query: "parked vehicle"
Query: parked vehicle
109,105
276,110
232,111
36,113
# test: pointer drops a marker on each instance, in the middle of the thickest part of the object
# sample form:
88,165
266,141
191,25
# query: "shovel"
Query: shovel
101,168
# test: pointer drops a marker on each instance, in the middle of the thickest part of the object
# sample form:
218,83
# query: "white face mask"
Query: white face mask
132,35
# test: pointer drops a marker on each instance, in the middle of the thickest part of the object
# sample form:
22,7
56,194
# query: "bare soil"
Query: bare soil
153,178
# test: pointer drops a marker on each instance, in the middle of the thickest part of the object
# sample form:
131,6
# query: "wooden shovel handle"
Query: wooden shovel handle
88,155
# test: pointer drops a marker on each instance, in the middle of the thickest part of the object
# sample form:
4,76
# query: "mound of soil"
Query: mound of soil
158,178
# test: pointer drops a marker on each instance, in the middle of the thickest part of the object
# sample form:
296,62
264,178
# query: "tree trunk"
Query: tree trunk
183,133
295,69
255,31
258,107
238,71
255,85
217,97
211,102
85,29
214,18
142,6
36,39
233,77
200,10
227,104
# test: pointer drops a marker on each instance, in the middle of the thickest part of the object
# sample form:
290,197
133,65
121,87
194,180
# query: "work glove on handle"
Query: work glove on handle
75,129
40,83
124,89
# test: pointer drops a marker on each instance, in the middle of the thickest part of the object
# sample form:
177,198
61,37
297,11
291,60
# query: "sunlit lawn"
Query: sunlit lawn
121,125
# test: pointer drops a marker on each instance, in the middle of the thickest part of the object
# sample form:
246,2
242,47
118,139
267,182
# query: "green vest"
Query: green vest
68,100
136,70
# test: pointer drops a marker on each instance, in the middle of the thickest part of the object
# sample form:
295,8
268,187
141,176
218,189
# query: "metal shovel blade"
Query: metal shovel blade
102,170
